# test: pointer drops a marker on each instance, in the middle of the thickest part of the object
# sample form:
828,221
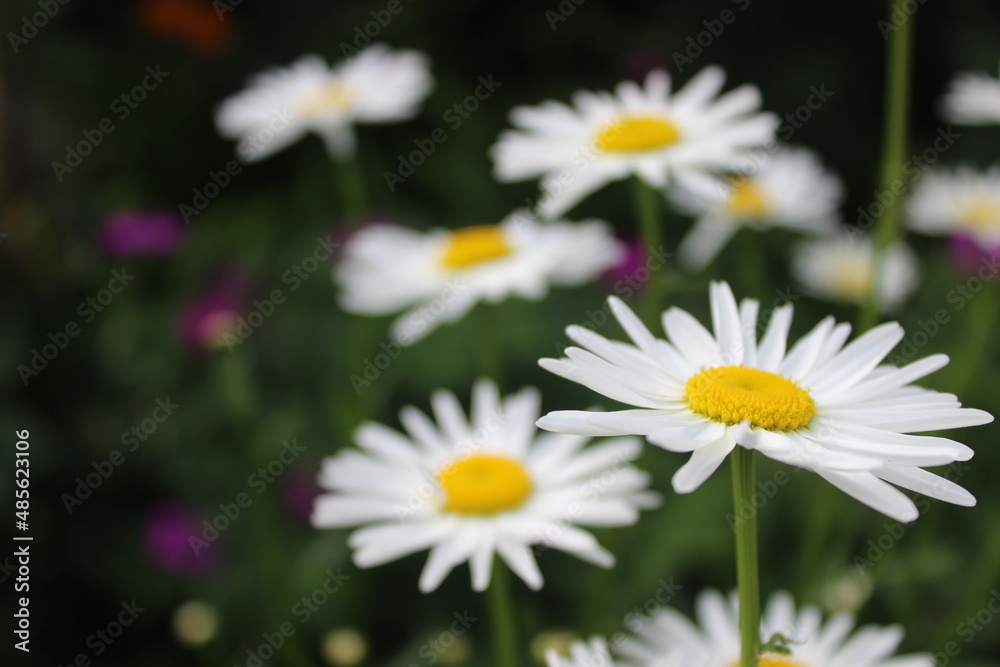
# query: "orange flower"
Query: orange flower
195,21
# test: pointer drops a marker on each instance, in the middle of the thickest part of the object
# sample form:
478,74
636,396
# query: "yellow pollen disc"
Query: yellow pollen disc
853,280
638,134
331,97
746,200
982,214
732,394
774,660
484,484
474,245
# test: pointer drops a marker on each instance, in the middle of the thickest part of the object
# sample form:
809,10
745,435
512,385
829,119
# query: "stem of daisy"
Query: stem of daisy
895,129
747,576
645,199
351,188
501,612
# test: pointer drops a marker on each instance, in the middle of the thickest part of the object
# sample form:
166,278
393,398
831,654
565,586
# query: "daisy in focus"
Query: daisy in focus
438,276
281,105
819,405
960,202
470,488
972,98
671,640
790,188
842,268
647,131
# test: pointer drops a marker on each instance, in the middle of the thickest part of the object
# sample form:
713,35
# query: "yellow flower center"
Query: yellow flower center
331,97
732,394
746,200
638,134
474,245
773,660
484,484
982,214
853,280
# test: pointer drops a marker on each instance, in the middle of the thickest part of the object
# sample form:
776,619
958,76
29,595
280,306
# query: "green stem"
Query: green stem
747,575
490,351
501,613
820,522
351,189
895,130
645,199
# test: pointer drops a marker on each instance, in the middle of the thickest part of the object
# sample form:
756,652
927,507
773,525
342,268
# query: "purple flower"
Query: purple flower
204,321
301,490
632,269
168,545
127,232
968,254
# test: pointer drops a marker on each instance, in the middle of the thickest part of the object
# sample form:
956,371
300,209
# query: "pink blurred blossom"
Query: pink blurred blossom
133,232
166,540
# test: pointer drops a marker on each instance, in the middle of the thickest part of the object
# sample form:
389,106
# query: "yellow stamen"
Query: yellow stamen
732,394
638,134
982,214
853,280
746,200
484,484
475,245
331,97
774,660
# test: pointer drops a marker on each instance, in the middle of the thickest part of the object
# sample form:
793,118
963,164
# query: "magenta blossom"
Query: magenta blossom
969,255
633,269
130,232
204,322
301,490
173,541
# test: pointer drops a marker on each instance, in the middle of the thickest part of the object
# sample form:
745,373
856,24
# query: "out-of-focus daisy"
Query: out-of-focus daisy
594,653
790,188
647,131
438,276
280,105
972,98
842,268
963,201
821,405
469,489
671,640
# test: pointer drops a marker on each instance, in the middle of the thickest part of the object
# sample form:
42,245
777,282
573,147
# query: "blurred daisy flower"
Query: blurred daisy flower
790,188
131,232
821,405
972,98
671,640
842,268
469,489
964,201
282,104
593,653
646,131
438,276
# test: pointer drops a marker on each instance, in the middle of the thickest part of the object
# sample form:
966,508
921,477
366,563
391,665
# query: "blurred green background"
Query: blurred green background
290,379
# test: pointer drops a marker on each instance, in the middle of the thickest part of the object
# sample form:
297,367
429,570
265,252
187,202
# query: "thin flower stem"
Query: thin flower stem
978,338
645,200
747,575
895,131
351,189
502,617
490,350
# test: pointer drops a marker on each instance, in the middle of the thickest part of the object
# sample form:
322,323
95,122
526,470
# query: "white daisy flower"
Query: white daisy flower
963,200
790,188
671,640
972,98
842,268
646,131
821,405
466,489
594,653
438,276
281,105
